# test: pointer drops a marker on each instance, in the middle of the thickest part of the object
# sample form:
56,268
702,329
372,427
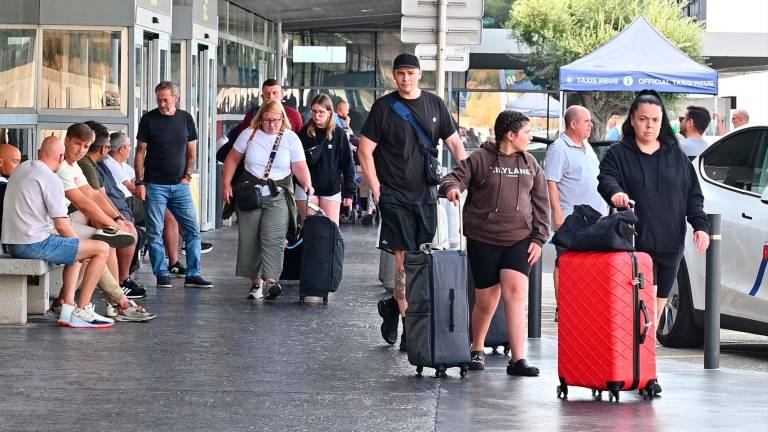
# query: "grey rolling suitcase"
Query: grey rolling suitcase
497,336
437,318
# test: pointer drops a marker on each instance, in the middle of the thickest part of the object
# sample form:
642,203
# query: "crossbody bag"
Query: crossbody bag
432,171
249,192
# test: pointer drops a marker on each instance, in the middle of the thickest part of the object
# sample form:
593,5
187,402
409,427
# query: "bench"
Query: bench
25,286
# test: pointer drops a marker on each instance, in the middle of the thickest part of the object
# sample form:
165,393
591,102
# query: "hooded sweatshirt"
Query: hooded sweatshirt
665,189
335,161
508,199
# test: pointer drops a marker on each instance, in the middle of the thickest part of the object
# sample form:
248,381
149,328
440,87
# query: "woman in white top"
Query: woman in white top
261,232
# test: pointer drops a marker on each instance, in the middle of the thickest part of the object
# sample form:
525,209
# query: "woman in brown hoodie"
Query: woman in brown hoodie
506,222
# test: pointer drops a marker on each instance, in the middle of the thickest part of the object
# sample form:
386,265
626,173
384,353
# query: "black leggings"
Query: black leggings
664,272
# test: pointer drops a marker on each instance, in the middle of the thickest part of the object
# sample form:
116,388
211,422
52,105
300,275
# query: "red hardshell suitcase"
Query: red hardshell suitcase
606,311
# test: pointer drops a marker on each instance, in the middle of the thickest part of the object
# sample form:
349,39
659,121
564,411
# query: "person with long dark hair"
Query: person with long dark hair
649,167
329,158
506,221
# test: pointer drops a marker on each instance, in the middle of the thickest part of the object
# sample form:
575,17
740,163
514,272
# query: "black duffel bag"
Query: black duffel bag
588,230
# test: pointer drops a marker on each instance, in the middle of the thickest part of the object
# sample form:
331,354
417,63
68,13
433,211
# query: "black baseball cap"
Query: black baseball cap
406,60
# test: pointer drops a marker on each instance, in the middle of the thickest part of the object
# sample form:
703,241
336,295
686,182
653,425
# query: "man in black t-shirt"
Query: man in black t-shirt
166,148
393,165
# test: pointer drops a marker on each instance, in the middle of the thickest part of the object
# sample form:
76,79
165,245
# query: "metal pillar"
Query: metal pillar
712,296
534,301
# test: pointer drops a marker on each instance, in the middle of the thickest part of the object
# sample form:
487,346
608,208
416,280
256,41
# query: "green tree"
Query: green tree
561,31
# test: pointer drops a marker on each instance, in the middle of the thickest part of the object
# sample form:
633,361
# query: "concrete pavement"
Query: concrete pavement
214,361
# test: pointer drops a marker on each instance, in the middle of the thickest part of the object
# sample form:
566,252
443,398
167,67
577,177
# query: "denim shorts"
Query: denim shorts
56,249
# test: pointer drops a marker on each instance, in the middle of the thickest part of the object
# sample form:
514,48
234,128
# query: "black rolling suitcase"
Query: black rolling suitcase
437,318
497,336
322,257
294,248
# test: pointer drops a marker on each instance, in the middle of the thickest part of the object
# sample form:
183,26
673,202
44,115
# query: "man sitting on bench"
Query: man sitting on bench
35,196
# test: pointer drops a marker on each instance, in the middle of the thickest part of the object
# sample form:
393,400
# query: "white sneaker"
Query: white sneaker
65,314
88,318
257,292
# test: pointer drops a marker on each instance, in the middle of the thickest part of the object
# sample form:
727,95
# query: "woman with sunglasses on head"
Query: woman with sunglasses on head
262,231
649,167
329,158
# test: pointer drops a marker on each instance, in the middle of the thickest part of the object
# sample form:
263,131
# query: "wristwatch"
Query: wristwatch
138,182
187,176
117,218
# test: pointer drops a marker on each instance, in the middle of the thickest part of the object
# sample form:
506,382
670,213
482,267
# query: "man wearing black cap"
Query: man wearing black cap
393,163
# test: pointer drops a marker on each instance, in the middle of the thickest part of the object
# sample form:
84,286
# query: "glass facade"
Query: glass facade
238,77
19,137
81,69
17,68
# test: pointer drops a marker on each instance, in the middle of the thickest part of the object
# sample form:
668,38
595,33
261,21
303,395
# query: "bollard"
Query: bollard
534,301
712,296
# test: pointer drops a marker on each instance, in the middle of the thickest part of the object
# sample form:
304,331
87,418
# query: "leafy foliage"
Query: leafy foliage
561,31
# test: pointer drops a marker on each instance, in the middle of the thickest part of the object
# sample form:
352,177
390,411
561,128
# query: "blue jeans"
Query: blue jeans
178,199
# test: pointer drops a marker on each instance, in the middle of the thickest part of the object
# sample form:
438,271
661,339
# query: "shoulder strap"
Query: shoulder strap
404,113
273,154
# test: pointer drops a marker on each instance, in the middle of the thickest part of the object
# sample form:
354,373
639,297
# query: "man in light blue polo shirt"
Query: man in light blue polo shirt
571,168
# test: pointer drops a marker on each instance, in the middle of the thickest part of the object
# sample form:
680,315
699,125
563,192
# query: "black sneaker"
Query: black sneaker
389,312
477,360
204,248
403,343
273,291
522,368
164,282
177,270
114,237
132,290
197,282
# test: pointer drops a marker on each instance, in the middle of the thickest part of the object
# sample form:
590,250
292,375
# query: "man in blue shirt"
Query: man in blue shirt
571,168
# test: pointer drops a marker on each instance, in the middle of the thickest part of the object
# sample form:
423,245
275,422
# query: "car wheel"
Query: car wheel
676,326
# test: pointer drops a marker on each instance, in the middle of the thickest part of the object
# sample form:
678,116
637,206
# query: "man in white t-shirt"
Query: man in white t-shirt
89,208
35,197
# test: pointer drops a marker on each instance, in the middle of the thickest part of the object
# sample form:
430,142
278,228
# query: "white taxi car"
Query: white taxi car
733,173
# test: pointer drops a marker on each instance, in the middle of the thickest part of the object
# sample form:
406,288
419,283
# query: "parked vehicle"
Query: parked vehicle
733,173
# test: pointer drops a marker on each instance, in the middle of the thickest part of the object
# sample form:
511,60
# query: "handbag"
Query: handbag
588,230
432,170
249,192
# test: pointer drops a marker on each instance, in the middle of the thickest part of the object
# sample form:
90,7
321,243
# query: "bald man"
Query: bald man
739,118
10,158
571,170
34,194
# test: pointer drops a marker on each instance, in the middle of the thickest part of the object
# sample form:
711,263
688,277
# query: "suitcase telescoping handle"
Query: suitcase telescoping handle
452,296
647,321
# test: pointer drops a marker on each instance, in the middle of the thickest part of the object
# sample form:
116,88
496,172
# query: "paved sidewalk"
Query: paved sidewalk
214,361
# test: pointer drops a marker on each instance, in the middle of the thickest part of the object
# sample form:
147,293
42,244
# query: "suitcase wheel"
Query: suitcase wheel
562,392
301,300
649,391
325,299
440,371
419,370
464,369
614,395
506,350
597,394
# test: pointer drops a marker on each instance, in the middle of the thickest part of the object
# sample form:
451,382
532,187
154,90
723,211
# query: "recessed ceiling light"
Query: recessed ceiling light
365,10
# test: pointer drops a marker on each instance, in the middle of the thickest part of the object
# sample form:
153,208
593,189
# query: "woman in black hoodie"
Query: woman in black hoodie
329,158
649,167
506,221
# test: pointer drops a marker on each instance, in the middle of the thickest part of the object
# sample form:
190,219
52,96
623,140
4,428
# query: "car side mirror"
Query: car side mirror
764,196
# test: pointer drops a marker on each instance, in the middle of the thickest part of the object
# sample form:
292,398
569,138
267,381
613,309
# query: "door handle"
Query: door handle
746,216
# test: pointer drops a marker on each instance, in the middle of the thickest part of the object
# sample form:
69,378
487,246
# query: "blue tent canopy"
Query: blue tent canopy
638,58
